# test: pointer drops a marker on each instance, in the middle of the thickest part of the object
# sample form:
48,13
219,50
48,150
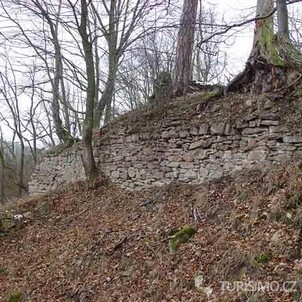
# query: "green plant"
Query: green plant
15,297
263,258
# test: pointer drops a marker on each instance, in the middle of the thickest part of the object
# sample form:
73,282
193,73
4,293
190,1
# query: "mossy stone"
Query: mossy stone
181,236
6,221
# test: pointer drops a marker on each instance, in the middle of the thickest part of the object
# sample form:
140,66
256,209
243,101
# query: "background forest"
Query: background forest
68,66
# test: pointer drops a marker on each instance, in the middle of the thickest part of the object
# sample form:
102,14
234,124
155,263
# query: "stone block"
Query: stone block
171,175
292,139
268,115
172,164
239,156
115,174
173,133
131,172
203,129
252,131
188,156
285,147
203,172
216,174
218,128
194,131
280,157
191,174
202,154
158,175
202,144
227,155
269,123
229,130
257,155
255,123
184,134
165,134
187,165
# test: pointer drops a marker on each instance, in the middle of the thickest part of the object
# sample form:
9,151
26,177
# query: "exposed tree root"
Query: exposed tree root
273,68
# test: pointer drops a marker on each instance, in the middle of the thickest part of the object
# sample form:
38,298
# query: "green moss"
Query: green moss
267,39
15,297
6,221
216,93
182,236
263,258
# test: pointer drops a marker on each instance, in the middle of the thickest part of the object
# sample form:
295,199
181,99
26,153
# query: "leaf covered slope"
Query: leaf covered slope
111,244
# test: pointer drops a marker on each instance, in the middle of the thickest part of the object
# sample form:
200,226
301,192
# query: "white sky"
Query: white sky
235,11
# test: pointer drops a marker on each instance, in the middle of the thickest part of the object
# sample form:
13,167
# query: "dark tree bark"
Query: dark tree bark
2,169
107,96
113,59
183,62
282,16
88,158
274,62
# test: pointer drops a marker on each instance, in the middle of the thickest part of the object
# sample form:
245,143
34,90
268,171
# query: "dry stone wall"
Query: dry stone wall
54,172
189,147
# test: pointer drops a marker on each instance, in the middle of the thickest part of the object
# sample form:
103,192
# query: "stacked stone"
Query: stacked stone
179,150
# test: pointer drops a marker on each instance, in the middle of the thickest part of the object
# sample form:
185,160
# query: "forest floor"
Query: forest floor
111,244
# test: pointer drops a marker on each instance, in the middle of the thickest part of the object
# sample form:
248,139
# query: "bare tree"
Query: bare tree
124,27
57,82
87,44
44,14
144,62
10,94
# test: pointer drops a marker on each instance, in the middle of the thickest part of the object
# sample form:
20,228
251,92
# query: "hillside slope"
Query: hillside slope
111,244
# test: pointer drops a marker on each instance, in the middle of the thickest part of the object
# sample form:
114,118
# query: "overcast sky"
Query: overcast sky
235,11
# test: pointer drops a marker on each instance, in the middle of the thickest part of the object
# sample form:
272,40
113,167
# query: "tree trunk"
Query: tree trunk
183,62
274,61
282,16
88,158
106,98
62,133
2,169
113,60
20,178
